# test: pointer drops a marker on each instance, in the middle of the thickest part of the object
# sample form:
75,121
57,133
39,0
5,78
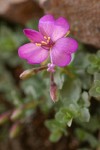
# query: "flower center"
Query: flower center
46,44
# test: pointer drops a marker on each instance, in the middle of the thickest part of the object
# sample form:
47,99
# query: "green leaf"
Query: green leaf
86,136
71,90
94,65
84,101
54,125
55,136
95,89
93,58
59,79
63,117
84,115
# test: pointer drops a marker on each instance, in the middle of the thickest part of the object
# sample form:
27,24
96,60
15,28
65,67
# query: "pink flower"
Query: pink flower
50,42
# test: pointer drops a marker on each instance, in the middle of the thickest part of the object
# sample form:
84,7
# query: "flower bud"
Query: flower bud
28,73
15,130
53,92
17,114
4,117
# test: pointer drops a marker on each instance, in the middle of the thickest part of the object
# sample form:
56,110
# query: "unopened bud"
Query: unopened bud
15,130
17,114
53,92
28,73
4,118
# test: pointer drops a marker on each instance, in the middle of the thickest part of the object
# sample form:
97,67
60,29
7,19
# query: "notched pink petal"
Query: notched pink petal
46,24
61,27
38,56
33,36
71,45
59,57
46,18
32,53
68,45
61,60
61,21
26,50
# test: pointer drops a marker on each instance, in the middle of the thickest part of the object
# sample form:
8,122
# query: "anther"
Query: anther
48,38
38,44
48,41
42,42
45,37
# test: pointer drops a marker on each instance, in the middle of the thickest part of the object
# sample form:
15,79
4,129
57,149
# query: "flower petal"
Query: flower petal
46,25
32,53
38,56
68,45
33,35
61,27
59,57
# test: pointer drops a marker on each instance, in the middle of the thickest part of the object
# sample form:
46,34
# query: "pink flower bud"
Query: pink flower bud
4,117
53,92
17,114
51,67
28,73
15,130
